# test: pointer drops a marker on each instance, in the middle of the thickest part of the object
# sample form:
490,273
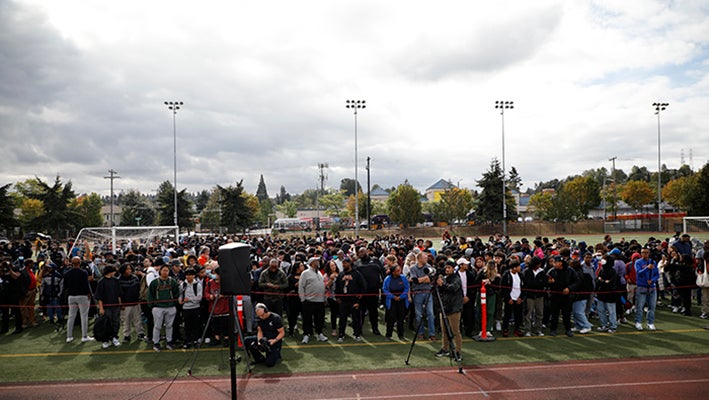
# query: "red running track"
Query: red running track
647,378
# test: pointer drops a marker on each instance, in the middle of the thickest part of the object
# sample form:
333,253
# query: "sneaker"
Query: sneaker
170,346
569,333
574,329
602,329
611,330
638,326
106,345
116,343
518,333
306,339
402,338
388,338
623,320
704,316
322,337
157,348
126,339
340,339
505,333
421,337
377,333
443,352
651,327
69,339
458,358
585,330
528,334
432,338
540,333
87,339
207,340
552,333
141,336
358,338
334,333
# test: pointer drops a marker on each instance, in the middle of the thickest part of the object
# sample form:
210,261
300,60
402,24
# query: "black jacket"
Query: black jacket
349,286
584,287
506,283
451,294
534,285
563,278
607,284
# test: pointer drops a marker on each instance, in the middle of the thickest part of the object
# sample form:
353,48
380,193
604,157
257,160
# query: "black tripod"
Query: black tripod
448,331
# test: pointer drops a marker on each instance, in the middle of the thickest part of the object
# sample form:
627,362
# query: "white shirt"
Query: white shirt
463,282
516,287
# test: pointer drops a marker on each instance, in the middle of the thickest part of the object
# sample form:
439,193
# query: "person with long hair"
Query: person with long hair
330,276
491,278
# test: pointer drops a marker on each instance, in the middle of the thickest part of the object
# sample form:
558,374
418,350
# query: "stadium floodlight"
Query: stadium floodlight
504,105
174,106
659,107
356,105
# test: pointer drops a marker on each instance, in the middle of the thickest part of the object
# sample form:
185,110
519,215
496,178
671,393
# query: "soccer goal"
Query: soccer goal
695,224
104,239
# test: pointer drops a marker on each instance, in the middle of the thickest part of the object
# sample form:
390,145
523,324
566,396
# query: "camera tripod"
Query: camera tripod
447,330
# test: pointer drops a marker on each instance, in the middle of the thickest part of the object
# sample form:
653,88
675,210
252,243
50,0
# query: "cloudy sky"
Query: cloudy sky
82,86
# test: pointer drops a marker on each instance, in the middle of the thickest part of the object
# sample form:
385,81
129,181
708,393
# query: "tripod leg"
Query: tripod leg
418,328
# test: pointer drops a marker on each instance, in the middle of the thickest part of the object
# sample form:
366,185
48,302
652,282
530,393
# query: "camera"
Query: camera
262,345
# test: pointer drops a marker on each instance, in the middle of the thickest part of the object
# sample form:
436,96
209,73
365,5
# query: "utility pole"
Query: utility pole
369,199
319,193
615,184
113,175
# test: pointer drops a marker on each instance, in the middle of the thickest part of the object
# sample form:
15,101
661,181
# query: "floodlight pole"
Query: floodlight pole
504,105
112,175
174,106
356,105
659,107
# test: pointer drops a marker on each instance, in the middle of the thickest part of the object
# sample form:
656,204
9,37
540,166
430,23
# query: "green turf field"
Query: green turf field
41,354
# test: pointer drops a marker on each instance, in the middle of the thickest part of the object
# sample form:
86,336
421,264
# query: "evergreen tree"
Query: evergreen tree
7,209
236,214
261,192
348,186
166,206
136,210
489,203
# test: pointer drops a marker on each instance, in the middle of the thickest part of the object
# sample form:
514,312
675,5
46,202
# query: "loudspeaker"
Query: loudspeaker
235,269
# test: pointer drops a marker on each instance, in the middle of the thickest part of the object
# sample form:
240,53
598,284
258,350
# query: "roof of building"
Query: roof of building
442,184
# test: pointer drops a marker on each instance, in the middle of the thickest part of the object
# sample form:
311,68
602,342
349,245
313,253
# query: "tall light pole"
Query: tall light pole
504,105
112,175
174,106
356,105
659,107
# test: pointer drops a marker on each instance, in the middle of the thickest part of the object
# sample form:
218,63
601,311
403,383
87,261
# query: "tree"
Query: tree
88,207
57,214
454,204
7,209
699,200
136,210
637,193
584,193
362,206
236,214
201,200
639,174
289,208
166,206
283,196
514,181
307,199
488,206
333,203
210,215
679,192
348,186
405,205
265,209
31,211
261,192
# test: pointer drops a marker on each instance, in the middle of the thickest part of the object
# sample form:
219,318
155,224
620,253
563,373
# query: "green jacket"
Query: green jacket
162,293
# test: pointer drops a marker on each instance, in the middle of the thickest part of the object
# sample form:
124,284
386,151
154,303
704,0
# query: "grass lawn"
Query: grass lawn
41,354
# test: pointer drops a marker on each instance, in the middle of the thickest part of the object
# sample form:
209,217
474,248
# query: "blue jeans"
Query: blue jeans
610,320
419,299
578,308
645,297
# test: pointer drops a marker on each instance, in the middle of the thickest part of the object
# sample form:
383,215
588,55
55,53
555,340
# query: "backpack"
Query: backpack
102,328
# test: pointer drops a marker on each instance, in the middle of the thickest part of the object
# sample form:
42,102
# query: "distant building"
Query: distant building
379,194
106,215
433,192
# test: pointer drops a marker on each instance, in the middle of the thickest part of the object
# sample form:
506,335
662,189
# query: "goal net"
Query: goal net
695,224
120,238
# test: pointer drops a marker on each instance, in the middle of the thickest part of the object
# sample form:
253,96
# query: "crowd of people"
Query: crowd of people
164,292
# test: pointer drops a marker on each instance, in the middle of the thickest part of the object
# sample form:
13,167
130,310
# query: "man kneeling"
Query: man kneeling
265,347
